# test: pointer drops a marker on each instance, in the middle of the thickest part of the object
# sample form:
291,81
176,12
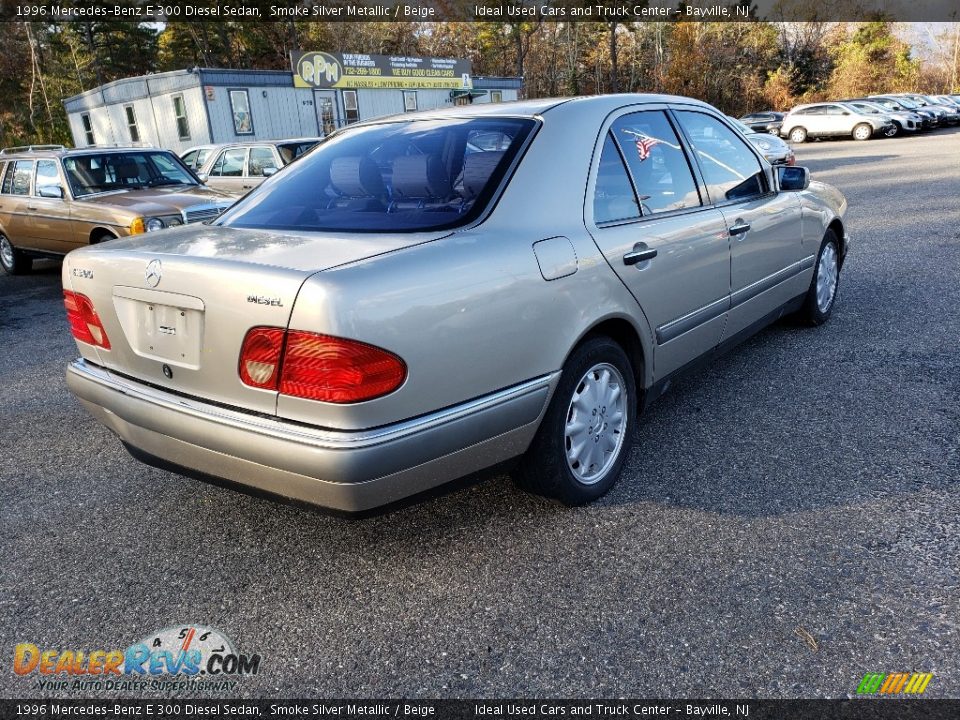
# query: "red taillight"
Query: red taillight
260,357
318,367
84,322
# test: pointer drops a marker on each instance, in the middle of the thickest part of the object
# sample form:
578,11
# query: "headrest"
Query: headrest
477,169
356,177
126,170
420,176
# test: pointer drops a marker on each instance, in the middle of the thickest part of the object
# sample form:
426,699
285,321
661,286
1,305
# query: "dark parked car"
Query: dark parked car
767,121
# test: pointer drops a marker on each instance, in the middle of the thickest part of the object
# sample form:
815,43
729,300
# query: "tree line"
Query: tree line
738,67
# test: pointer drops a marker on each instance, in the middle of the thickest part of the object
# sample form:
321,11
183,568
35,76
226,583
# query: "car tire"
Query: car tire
862,132
774,131
798,135
893,131
13,261
583,441
822,294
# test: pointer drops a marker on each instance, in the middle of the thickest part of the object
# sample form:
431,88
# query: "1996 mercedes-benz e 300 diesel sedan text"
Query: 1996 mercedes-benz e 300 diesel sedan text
427,295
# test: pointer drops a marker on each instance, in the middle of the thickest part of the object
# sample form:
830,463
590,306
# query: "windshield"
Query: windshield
391,177
134,170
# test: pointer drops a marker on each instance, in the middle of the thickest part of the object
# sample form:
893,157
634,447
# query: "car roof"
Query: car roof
58,151
539,107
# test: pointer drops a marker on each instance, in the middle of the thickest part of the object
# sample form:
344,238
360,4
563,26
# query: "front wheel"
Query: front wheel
862,132
823,287
579,450
13,261
798,135
893,130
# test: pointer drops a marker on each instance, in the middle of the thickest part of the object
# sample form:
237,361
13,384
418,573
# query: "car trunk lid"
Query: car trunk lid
177,305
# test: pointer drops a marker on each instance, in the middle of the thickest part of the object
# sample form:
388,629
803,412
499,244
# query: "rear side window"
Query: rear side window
729,167
17,179
391,177
657,163
613,196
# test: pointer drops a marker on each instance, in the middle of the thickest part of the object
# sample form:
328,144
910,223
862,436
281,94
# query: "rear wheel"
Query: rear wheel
798,135
862,132
582,443
13,261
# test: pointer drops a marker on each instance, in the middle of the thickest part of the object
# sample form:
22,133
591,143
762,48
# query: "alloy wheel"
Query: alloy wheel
596,423
827,271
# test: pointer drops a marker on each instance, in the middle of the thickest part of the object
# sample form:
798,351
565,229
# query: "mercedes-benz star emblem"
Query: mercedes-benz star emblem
153,273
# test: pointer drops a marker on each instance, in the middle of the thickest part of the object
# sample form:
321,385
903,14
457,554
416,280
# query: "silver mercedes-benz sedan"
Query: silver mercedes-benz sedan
431,294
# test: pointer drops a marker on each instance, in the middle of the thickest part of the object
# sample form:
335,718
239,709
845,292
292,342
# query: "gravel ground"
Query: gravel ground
788,519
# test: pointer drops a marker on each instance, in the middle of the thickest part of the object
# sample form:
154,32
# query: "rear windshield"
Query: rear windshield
393,177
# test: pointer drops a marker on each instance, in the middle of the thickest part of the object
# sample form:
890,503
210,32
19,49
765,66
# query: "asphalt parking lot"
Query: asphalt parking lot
788,520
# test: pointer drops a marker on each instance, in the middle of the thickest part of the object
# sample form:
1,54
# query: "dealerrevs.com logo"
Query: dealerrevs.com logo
181,658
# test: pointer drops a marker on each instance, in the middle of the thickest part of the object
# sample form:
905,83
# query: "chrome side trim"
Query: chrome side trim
763,284
316,437
676,328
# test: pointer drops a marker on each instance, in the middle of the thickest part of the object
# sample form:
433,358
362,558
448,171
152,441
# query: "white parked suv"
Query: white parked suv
834,119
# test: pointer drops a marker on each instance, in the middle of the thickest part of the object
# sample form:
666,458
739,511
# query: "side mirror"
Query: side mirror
50,191
793,178
268,171
203,177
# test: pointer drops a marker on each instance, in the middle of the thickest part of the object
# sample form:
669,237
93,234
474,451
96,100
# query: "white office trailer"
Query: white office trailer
323,92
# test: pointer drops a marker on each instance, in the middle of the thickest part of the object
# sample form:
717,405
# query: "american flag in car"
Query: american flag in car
644,143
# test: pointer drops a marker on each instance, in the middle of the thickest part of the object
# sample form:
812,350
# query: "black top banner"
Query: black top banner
480,10
523,709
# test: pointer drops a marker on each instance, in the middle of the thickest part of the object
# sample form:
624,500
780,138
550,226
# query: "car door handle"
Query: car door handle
739,228
639,254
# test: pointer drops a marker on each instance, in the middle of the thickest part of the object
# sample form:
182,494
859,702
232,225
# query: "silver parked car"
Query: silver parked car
430,294
239,168
835,119
775,150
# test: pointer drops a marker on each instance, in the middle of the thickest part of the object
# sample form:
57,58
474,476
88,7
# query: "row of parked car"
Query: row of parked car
860,118
125,191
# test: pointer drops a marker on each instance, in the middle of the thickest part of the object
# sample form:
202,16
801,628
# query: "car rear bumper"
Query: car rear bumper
344,470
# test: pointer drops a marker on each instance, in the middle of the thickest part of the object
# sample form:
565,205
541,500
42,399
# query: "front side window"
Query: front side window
131,116
180,113
729,167
392,177
88,129
230,163
47,175
657,162
261,158
105,172
240,107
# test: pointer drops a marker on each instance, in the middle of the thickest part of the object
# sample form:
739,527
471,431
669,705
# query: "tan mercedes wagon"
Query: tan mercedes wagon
54,200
